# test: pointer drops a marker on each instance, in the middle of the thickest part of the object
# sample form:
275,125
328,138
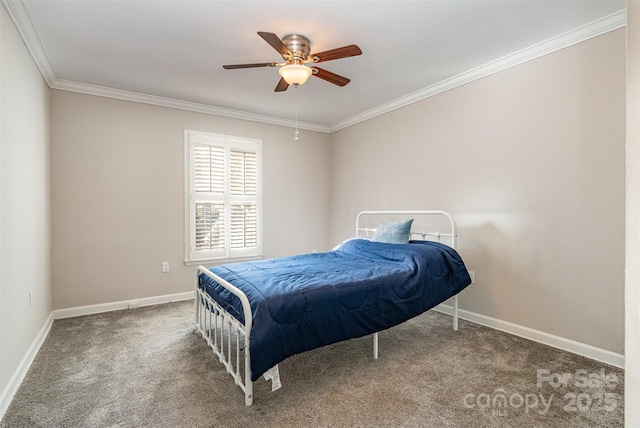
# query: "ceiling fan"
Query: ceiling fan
295,49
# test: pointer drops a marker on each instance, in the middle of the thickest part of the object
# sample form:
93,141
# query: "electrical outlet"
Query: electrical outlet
472,274
165,267
30,298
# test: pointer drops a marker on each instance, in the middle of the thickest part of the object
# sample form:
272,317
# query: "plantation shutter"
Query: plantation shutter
209,168
244,220
224,197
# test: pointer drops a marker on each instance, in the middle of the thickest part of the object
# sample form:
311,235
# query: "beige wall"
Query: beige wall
24,204
531,162
117,173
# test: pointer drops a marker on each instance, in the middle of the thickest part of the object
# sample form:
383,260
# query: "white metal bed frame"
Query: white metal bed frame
229,338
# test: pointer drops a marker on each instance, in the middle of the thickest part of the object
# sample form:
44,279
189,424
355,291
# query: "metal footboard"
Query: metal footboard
225,335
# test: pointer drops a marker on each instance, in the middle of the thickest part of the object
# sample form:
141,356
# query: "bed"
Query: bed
256,314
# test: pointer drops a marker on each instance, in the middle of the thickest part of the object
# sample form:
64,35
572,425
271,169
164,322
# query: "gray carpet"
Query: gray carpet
146,367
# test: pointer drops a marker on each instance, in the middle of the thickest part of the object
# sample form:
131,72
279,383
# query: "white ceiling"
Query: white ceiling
172,51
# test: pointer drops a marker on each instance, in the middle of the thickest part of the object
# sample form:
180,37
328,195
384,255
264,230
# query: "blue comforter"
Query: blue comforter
307,301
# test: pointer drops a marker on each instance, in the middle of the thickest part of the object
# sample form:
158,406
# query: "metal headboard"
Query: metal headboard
449,232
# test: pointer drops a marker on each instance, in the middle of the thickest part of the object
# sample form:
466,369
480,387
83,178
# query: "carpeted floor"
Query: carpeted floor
146,367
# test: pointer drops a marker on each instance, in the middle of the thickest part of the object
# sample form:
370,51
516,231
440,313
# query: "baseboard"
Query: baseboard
23,367
569,345
116,306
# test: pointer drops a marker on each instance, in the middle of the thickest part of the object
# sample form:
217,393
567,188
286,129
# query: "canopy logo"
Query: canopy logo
594,394
499,402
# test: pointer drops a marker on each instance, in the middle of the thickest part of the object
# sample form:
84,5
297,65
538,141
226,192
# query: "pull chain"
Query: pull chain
296,133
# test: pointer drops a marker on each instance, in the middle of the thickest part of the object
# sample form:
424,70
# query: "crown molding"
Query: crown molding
593,29
101,91
21,18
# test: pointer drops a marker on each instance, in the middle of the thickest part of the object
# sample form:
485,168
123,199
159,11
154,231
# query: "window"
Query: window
223,197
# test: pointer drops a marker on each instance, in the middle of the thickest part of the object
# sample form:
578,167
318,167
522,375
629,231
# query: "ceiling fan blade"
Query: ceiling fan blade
336,79
275,43
343,52
282,85
254,65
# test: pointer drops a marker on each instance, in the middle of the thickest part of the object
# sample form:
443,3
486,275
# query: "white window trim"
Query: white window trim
190,139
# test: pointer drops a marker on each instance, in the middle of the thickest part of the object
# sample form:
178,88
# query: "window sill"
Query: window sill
222,261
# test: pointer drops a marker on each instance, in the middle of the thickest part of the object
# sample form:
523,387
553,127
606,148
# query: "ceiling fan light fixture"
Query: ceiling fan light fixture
295,74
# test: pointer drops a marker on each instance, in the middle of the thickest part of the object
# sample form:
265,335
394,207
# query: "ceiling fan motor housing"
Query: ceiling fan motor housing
299,46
